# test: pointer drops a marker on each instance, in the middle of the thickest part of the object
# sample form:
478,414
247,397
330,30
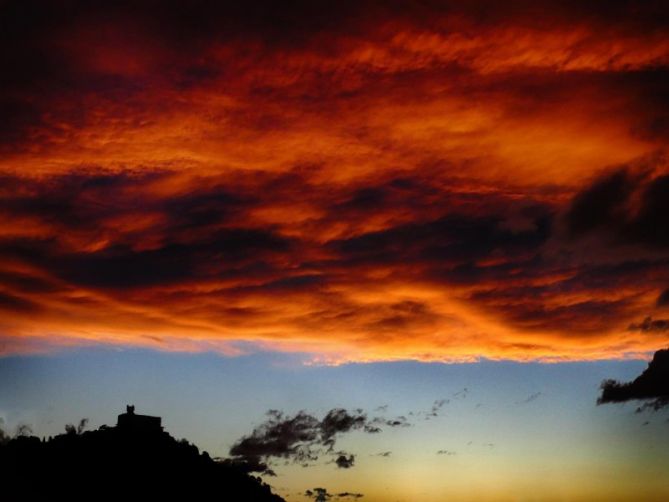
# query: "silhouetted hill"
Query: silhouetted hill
127,462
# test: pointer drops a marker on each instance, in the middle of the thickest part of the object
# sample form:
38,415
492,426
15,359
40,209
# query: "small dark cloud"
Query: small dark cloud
318,494
248,465
433,412
280,436
651,386
461,394
373,425
344,461
400,421
437,406
303,438
530,398
446,452
322,495
383,454
338,421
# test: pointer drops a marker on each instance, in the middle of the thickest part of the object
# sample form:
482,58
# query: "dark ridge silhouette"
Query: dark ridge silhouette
135,460
652,385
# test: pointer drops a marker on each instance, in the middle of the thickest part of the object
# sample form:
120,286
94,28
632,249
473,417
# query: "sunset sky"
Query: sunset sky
450,212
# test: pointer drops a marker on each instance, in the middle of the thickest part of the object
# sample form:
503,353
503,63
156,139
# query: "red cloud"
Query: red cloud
363,183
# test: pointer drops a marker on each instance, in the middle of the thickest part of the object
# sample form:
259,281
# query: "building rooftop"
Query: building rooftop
138,423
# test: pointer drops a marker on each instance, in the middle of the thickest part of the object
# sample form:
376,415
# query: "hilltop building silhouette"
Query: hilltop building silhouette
136,457
130,421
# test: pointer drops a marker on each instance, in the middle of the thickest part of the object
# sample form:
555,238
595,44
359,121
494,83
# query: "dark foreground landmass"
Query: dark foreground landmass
123,463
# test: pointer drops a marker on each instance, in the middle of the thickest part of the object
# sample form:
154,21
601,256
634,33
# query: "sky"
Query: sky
217,209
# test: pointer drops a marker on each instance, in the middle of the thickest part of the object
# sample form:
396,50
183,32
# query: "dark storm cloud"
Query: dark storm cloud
253,167
85,200
26,283
631,207
307,282
37,42
535,305
404,314
663,299
651,386
649,224
9,302
650,324
124,267
450,239
577,317
602,203
50,61
193,233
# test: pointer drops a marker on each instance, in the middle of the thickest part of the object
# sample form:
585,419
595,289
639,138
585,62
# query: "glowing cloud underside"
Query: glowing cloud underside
365,184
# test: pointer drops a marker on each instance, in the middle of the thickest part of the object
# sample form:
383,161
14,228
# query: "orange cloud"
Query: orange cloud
359,183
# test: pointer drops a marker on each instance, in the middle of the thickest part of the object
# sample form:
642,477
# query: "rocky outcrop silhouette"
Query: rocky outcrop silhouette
135,460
